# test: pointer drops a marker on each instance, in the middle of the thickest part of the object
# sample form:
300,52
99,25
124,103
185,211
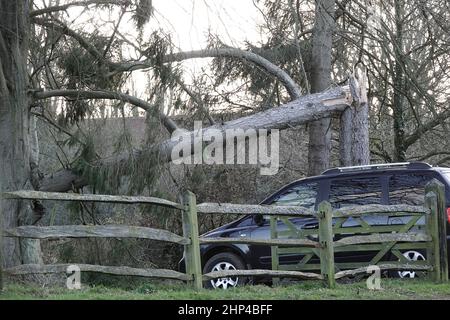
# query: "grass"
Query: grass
391,289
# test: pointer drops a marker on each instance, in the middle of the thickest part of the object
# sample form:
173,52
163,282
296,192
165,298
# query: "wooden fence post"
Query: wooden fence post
274,249
31,251
440,226
325,216
442,229
432,230
190,231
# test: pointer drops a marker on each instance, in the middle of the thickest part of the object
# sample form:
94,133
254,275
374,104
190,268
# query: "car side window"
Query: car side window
303,195
408,188
355,191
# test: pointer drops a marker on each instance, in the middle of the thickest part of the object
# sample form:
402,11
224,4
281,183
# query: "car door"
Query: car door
301,194
357,190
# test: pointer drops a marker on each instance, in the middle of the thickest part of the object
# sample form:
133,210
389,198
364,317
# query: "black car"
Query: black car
396,183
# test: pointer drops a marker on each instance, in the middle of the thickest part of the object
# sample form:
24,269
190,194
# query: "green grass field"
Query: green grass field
391,289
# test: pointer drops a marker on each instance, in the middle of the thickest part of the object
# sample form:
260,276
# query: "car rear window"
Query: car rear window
408,188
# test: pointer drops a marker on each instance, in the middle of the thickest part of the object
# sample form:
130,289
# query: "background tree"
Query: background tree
90,72
59,72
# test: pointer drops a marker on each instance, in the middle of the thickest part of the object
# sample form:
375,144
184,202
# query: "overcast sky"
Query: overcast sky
233,20
188,22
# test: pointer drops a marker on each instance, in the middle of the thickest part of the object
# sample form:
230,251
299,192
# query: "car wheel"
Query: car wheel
411,255
224,262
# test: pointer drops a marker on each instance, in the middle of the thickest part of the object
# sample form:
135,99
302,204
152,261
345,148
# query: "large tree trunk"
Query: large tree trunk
320,130
14,118
354,125
399,87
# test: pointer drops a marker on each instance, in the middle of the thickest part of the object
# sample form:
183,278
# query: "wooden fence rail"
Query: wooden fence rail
94,231
25,269
59,196
329,237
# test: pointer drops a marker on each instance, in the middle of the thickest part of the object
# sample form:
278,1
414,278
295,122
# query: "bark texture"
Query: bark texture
360,153
399,87
345,138
14,117
320,131
354,125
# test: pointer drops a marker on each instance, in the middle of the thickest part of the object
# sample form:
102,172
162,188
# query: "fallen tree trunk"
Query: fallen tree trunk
295,113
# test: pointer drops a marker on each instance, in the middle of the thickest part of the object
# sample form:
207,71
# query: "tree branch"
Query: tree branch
292,87
79,94
427,127
84,3
64,29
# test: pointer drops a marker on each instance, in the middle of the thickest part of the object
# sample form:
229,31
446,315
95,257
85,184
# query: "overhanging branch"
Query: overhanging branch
84,3
82,95
117,67
290,85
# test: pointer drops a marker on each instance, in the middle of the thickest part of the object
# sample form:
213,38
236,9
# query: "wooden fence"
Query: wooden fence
321,241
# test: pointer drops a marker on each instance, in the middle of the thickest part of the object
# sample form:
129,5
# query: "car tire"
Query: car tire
224,261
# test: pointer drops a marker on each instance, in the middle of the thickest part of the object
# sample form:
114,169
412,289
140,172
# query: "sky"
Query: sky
188,21
234,20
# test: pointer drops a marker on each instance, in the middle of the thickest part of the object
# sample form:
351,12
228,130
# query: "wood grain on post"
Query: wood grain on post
431,230
274,249
190,231
441,216
326,242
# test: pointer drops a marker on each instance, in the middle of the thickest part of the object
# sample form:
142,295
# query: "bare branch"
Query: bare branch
292,87
64,29
197,99
77,94
417,134
84,3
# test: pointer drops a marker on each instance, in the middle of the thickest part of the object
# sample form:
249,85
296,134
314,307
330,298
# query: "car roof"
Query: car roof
358,171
